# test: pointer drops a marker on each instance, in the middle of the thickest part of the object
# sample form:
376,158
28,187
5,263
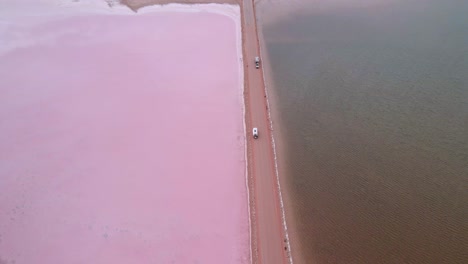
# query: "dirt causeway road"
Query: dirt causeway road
268,244
268,231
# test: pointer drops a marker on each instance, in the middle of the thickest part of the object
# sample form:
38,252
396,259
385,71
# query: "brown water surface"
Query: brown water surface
373,103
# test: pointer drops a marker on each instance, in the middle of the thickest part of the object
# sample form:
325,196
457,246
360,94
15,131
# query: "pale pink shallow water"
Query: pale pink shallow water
122,141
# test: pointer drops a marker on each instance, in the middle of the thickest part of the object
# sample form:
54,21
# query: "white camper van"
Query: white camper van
255,132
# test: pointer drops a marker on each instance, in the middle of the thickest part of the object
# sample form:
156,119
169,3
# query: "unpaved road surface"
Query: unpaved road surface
268,230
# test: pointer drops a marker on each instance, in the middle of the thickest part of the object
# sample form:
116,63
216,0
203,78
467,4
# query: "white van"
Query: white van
257,62
255,132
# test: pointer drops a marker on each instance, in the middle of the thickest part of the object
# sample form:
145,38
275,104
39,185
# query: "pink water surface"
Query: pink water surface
122,141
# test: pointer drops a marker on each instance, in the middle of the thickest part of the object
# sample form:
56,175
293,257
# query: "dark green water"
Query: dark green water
373,105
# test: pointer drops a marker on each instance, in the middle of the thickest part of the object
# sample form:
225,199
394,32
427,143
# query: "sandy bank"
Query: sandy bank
137,4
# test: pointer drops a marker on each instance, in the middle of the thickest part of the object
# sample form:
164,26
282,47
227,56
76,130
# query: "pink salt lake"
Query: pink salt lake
122,138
